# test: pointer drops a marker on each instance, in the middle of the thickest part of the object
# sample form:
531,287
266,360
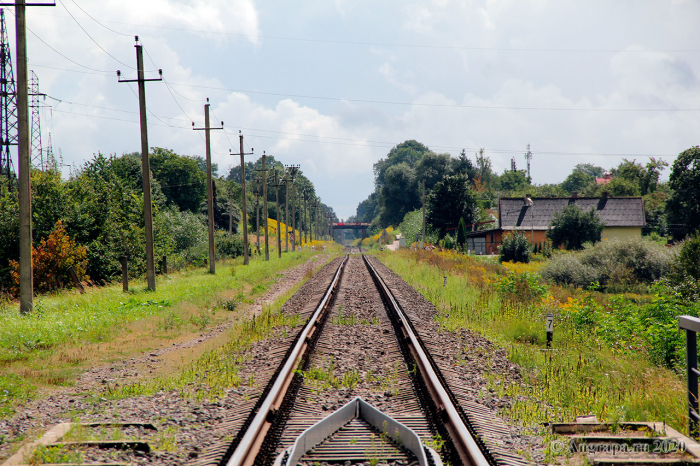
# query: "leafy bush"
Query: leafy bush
572,228
515,248
228,246
184,228
52,261
616,262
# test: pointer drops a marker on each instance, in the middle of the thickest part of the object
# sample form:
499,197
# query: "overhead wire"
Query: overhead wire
92,39
59,53
398,45
92,18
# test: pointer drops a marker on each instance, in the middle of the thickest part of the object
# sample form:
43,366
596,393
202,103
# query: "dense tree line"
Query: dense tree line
100,208
466,188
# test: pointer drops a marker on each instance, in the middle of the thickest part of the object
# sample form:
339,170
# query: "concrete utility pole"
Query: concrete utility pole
26,274
292,171
230,211
307,221
210,185
286,213
422,243
145,163
243,198
279,228
257,213
264,183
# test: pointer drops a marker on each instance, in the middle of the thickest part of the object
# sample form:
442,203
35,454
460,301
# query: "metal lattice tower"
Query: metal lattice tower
8,104
37,154
528,157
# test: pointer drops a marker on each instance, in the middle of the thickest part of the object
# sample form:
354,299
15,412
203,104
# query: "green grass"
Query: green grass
582,375
65,321
211,374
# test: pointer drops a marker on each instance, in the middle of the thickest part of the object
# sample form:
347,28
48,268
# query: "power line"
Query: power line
398,45
91,38
418,104
89,16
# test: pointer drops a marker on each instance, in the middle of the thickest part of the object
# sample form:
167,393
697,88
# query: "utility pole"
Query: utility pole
279,228
528,157
230,210
26,274
422,243
286,212
243,198
307,221
264,183
257,213
210,185
145,163
292,171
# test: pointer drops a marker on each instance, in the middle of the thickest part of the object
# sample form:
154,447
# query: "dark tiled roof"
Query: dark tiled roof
614,211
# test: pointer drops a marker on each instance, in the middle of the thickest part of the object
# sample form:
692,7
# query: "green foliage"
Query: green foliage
576,181
451,199
513,180
619,187
186,229
620,262
182,181
515,248
408,152
461,233
431,168
683,208
521,286
572,227
399,194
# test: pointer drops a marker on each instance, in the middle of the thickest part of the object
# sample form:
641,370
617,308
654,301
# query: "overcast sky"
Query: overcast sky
333,85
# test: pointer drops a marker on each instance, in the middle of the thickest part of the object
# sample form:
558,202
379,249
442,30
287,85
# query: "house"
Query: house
623,218
607,178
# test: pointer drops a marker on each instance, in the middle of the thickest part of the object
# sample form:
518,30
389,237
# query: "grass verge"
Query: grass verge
582,375
69,332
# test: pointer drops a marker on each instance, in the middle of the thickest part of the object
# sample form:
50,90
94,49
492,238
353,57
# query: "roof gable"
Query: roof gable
614,211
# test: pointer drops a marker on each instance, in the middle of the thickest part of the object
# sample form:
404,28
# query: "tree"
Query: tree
462,165
368,209
683,207
515,248
431,168
450,201
572,227
202,163
514,180
181,179
619,187
483,168
589,169
461,233
399,194
408,152
576,181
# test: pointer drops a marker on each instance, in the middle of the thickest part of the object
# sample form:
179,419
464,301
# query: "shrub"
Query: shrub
515,248
52,260
617,262
228,246
572,228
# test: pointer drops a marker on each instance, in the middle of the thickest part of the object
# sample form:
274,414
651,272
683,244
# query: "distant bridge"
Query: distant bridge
349,226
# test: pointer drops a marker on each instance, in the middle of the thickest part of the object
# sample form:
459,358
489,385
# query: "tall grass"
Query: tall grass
582,375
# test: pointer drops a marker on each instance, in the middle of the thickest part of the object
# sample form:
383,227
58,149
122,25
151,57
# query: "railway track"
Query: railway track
357,383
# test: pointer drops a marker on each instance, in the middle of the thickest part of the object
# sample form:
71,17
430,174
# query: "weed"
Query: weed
351,378
54,455
201,320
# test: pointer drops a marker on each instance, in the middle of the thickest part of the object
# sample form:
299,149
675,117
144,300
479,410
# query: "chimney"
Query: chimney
574,195
605,194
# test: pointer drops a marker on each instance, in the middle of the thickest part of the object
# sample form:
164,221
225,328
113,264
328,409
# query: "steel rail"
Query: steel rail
246,451
467,447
